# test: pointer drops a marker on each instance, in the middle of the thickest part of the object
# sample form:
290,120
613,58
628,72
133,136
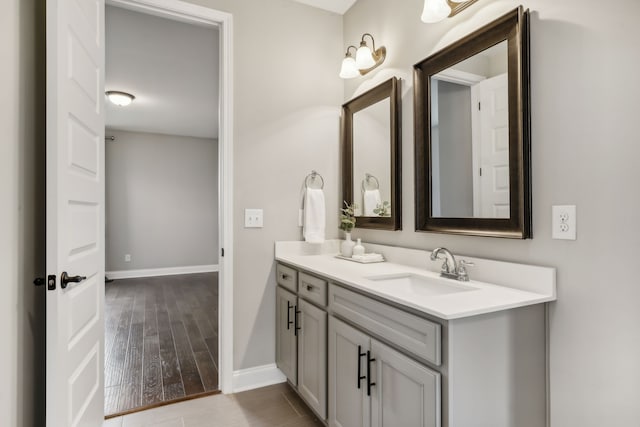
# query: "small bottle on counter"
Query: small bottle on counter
358,249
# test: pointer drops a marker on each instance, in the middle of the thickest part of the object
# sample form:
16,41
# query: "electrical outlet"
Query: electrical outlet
563,222
253,218
127,258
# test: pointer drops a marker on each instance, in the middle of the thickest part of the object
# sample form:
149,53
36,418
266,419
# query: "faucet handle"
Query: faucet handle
445,267
462,269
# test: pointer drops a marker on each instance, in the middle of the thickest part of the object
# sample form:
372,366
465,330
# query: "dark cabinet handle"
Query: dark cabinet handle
285,277
65,279
296,328
309,287
289,321
369,383
360,355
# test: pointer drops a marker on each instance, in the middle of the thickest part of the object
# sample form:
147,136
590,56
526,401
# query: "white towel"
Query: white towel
314,216
371,199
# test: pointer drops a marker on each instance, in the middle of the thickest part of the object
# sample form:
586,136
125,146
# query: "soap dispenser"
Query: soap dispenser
358,249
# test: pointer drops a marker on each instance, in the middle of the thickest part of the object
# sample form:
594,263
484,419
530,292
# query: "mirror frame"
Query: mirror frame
388,89
514,28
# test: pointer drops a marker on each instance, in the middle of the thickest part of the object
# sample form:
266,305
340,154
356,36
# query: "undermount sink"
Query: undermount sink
421,285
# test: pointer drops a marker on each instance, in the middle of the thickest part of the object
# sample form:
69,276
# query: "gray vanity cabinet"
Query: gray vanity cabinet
406,393
371,384
286,342
349,405
301,335
312,356
359,360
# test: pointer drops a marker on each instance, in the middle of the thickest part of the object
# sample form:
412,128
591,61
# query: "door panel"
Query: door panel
494,147
286,343
312,357
406,393
75,211
349,405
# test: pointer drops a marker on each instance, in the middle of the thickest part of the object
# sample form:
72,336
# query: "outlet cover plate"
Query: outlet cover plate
564,222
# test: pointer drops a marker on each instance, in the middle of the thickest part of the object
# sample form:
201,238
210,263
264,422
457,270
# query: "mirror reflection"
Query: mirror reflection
470,137
371,165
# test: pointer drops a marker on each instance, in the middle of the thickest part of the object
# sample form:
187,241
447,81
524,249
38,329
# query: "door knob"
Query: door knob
65,279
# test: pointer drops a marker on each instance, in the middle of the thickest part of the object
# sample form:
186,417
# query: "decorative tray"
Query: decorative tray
360,261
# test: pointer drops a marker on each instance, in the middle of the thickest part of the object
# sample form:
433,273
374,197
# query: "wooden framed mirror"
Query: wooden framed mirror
371,158
472,133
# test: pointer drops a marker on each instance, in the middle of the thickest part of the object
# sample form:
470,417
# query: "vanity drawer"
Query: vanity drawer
287,277
416,335
312,289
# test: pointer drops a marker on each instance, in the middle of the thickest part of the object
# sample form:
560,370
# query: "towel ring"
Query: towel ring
368,178
313,176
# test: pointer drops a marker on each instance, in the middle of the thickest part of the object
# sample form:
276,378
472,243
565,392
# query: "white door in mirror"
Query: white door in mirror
563,222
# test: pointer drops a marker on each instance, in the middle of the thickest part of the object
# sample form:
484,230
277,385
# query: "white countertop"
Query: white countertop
484,298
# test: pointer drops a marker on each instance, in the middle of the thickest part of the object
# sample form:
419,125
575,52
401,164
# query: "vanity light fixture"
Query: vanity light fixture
121,99
437,10
366,59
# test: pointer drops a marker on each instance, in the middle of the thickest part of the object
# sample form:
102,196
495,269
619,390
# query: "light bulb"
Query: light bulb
435,10
364,57
349,69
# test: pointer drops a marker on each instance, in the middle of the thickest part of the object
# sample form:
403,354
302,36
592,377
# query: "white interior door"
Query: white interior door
493,195
75,212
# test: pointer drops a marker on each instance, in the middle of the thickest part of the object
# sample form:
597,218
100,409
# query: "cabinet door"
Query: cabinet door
286,348
312,356
348,401
406,393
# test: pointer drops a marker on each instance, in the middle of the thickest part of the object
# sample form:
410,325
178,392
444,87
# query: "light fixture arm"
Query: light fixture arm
351,46
373,42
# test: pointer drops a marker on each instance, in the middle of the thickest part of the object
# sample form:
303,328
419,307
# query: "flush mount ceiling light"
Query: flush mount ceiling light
437,10
121,99
366,59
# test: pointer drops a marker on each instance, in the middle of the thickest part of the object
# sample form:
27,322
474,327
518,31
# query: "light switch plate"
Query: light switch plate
564,222
253,218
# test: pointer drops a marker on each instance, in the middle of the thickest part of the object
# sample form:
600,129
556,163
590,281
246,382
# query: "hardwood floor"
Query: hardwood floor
161,340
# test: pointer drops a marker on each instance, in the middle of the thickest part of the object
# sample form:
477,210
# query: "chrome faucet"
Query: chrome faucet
450,268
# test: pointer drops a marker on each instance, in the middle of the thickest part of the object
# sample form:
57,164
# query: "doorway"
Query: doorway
162,206
75,248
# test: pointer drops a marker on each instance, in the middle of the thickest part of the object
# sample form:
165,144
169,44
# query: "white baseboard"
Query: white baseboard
170,271
259,376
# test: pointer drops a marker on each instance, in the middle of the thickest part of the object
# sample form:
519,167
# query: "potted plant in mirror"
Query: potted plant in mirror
383,209
347,222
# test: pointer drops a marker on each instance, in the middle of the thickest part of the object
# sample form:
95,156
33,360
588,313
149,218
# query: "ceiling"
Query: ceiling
170,67
337,6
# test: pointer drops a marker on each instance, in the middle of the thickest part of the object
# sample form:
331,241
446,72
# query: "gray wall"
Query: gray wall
454,139
585,152
22,306
287,107
161,201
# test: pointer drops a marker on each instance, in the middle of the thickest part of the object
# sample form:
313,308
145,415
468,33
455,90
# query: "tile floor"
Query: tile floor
274,406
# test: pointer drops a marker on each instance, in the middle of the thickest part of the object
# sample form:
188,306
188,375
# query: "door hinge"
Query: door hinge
222,252
479,107
480,171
